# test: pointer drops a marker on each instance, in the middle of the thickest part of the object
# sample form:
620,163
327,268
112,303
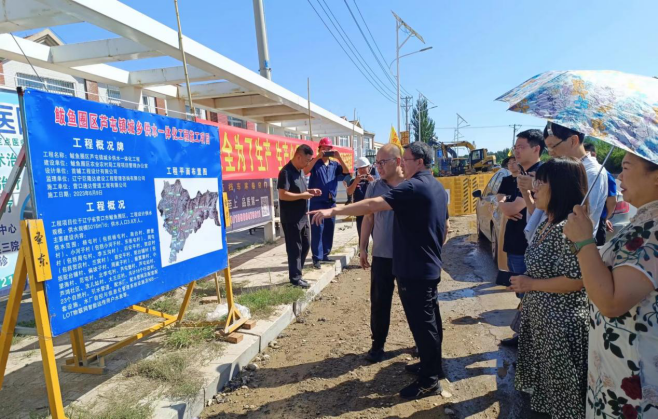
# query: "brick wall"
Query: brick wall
222,119
251,126
91,90
2,75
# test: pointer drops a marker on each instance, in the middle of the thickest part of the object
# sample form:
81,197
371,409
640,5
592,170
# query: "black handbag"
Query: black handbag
503,278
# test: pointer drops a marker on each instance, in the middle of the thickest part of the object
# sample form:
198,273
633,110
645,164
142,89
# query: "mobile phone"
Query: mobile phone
329,153
523,172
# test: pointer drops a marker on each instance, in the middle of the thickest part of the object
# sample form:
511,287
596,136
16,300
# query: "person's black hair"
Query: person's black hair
534,138
506,160
304,149
563,132
421,150
567,180
649,165
589,147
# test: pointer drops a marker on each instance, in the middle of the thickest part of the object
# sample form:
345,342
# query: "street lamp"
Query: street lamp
406,55
399,23
420,117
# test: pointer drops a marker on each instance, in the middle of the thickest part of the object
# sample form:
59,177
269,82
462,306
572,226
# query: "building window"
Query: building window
199,113
343,141
50,85
290,134
113,95
237,122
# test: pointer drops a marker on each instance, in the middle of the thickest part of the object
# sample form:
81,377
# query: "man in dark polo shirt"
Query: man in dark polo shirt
419,206
293,196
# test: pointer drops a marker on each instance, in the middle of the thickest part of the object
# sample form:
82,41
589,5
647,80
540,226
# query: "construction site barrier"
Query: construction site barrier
460,191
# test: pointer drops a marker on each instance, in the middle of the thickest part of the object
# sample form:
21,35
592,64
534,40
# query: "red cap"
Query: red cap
326,142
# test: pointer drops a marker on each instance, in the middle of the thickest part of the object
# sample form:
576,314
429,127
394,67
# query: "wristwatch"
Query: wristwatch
577,247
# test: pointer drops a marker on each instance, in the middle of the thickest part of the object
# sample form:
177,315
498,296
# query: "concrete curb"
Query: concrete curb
237,356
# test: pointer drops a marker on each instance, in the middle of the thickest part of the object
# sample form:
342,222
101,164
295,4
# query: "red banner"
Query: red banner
255,155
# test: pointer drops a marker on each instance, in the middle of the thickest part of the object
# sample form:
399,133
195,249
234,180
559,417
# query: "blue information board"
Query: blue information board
131,203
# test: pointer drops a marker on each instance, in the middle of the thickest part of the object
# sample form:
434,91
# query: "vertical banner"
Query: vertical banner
255,155
131,204
11,142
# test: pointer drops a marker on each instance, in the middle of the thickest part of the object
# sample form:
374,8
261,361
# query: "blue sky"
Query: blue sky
481,49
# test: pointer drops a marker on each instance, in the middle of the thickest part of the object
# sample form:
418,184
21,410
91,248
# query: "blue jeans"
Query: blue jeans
322,236
516,264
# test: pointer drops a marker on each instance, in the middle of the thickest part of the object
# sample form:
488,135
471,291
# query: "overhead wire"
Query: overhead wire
349,56
386,71
353,47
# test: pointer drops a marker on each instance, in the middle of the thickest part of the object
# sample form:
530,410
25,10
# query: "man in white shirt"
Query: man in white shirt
565,142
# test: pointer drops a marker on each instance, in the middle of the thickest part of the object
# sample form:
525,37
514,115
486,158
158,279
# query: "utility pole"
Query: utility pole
261,40
407,105
399,23
460,121
514,134
420,117
182,51
310,126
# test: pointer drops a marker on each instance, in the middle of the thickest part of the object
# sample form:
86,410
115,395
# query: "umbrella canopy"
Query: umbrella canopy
618,108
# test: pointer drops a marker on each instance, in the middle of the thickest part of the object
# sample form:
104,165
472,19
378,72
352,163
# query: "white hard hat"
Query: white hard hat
362,162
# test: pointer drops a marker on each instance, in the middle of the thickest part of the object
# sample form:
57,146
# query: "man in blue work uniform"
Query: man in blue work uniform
325,175
419,207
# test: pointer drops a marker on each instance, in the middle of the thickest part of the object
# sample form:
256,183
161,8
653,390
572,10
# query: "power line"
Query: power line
490,126
376,46
348,55
353,47
365,38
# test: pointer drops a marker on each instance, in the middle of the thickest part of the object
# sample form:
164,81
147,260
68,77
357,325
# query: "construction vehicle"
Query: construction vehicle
477,161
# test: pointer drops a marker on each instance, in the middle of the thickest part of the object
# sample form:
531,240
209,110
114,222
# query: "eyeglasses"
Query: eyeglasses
520,147
383,162
536,184
551,148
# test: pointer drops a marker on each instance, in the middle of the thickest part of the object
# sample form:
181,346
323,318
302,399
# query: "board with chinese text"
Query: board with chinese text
131,203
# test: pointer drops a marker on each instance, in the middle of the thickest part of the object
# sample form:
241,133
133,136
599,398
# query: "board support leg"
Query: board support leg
11,313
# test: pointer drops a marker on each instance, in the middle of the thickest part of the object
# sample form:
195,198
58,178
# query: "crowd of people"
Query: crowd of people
587,320
587,339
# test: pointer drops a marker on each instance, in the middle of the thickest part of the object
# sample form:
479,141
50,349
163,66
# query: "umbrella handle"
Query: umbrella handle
597,175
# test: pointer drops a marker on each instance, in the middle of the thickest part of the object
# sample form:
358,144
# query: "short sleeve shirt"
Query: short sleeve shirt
420,208
612,191
360,191
515,242
325,177
292,180
382,230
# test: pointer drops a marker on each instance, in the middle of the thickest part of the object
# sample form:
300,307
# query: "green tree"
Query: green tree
613,165
419,113
502,155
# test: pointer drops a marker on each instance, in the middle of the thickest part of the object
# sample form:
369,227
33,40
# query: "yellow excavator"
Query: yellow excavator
478,160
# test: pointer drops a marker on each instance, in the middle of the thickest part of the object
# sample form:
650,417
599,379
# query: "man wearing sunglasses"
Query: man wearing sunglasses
419,206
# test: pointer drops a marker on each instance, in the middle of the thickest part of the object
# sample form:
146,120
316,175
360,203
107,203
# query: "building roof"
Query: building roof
227,86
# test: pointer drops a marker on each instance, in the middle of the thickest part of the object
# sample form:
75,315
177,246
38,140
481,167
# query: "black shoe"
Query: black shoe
300,283
416,390
511,342
415,370
316,264
375,355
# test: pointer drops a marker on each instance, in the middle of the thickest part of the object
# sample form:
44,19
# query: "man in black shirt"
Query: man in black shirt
293,196
527,149
419,206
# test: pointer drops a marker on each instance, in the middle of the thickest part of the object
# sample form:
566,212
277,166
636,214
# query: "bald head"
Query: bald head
391,150
390,156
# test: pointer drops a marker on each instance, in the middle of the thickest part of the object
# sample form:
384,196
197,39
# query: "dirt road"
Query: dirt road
316,367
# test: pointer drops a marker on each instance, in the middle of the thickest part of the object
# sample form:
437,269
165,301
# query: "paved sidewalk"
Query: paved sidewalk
24,395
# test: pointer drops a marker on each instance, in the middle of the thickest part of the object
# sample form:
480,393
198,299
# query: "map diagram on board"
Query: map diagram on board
182,217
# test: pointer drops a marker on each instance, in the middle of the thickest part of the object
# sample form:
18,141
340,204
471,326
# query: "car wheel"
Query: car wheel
494,246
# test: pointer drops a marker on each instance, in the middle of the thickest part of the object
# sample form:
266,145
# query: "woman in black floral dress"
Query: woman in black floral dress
552,362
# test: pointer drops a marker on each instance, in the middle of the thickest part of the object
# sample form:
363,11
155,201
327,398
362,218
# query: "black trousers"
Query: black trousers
382,285
359,223
419,299
298,243
600,233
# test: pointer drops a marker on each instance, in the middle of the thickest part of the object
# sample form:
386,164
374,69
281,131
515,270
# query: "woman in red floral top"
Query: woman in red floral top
621,282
